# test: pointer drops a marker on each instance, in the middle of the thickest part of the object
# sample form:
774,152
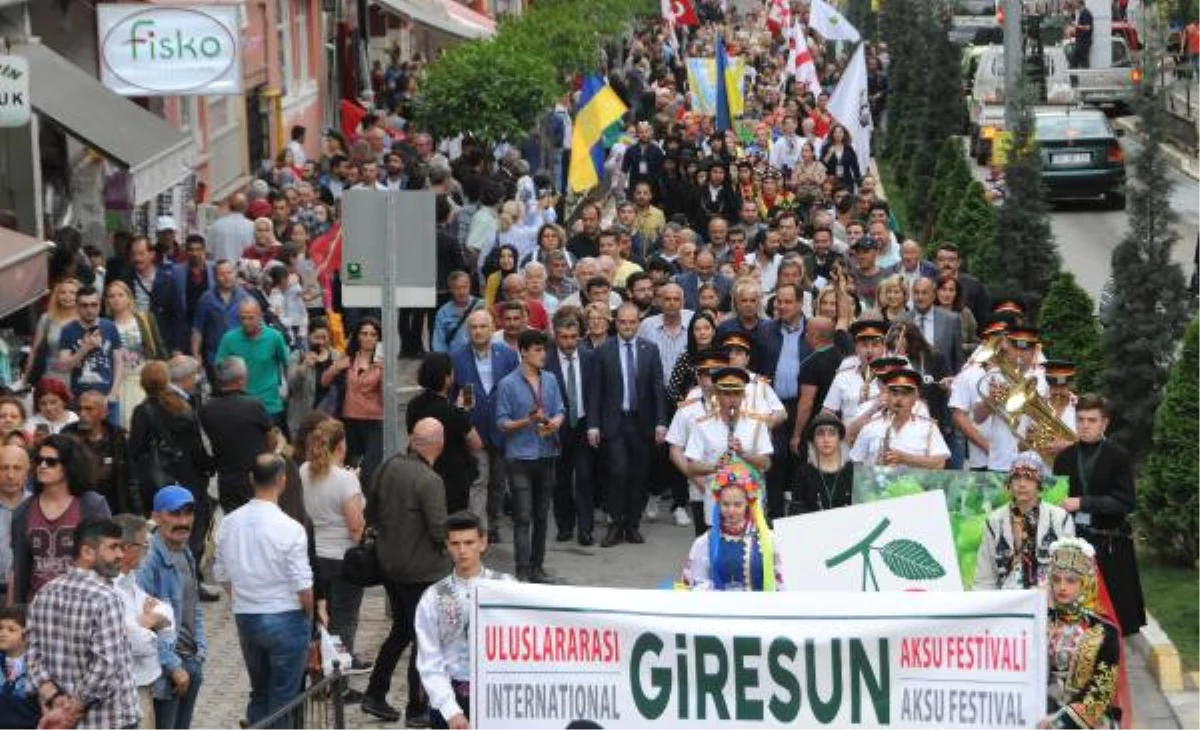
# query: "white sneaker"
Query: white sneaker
652,508
681,517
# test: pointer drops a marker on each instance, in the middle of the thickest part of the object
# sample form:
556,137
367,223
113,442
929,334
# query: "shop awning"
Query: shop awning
473,24
157,154
446,16
23,270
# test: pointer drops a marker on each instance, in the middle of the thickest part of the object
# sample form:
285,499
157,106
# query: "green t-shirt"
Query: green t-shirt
266,357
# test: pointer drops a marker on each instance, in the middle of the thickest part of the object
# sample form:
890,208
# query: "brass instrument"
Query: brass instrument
1015,399
867,380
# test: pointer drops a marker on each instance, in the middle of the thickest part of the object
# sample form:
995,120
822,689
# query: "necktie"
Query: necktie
572,399
630,377
921,323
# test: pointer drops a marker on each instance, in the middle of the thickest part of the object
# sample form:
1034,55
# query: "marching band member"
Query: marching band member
732,430
971,415
760,396
738,552
899,437
1060,377
853,389
700,401
1015,551
1084,648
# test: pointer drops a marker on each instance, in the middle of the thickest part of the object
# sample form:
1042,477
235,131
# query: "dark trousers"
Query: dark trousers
176,713
436,720
497,484
664,474
344,599
203,518
532,485
628,456
412,330
403,598
364,446
779,476
230,497
574,490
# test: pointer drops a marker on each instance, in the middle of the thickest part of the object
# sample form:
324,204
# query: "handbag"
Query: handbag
360,563
161,454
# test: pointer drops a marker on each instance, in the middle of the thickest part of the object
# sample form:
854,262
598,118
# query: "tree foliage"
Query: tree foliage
1148,309
1024,259
974,225
1167,496
498,88
951,178
1070,331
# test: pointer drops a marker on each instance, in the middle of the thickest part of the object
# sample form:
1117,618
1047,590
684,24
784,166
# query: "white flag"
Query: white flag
832,25
851,106
800,63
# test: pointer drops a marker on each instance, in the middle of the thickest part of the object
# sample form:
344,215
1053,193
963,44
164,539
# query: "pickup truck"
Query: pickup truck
1114,86
985,108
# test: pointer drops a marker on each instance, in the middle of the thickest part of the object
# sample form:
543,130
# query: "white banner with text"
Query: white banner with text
548,656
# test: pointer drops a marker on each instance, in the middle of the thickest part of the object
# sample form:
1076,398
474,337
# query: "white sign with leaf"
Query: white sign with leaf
899,544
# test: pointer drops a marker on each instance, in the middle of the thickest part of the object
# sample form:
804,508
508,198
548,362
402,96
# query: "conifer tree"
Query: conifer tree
1148,309
1167,496
973,226
1070,331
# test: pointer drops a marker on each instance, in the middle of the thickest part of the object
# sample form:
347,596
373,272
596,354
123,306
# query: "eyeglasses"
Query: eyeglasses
50,461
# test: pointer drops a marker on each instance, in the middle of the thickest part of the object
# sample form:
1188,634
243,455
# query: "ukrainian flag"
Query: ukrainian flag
599,107
729,101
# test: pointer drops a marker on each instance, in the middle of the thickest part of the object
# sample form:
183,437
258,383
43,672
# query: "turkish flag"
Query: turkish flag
680,12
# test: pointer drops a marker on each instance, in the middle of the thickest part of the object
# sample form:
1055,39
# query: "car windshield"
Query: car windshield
1061,126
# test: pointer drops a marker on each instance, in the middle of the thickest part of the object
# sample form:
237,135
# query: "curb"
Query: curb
1186,162
1162,659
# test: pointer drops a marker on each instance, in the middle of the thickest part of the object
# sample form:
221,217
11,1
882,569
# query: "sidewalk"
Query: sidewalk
1185,161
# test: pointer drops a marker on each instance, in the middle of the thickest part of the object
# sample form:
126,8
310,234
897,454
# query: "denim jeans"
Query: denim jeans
275,649
344,601
532,485
176,713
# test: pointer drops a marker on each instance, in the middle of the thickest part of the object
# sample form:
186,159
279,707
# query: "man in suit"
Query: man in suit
941,327
705,273
573,368
153,287
193,278
778,353
481,364
629,411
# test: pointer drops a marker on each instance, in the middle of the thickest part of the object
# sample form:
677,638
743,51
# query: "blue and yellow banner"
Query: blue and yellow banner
599,107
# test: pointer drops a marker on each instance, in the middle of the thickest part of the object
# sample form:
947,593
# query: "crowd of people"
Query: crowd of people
719,340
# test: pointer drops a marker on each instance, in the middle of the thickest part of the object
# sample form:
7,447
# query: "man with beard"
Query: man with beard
169,574
79,658
640,288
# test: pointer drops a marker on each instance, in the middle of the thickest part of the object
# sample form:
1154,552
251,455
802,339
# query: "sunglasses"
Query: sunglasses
51,461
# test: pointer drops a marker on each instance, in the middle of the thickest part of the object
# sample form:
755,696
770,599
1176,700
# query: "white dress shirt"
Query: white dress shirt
264,554
571,363
143,642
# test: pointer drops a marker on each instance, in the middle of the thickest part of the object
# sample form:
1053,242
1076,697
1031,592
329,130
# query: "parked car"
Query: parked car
1081,155
986,105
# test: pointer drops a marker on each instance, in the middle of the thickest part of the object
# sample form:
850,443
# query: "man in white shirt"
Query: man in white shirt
262,559
441,623
230,234
785,152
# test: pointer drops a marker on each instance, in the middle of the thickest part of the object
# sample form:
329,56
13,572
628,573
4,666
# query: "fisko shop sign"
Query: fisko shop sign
170,51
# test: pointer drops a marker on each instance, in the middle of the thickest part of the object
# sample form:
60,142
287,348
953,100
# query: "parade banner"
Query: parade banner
969,496
549,656
887,545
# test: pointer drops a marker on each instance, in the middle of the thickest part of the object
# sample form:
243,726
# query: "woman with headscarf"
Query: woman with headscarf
738,551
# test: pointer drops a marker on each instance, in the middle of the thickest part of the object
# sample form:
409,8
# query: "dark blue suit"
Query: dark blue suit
483,418
627,436
690,283
574,493
164,304
180,274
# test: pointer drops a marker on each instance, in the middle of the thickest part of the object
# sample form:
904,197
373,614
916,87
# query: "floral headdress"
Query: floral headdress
736,472
1076,555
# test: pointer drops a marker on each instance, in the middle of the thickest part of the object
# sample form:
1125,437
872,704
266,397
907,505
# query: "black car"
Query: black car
1081,155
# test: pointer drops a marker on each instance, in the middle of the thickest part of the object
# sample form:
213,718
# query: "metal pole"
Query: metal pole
391,331
1014,59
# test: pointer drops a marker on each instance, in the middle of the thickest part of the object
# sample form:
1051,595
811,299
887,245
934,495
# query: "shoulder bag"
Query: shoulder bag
360,563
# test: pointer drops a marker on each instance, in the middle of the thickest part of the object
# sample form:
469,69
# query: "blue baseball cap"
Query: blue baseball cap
172,498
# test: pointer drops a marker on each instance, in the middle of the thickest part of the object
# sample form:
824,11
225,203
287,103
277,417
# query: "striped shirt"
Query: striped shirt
76,639
670,344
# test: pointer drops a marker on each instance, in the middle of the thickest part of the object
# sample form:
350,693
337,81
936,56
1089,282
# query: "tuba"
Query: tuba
1015,399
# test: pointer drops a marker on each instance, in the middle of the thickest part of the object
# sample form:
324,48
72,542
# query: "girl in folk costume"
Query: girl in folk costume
738,552
1015,551
1084,648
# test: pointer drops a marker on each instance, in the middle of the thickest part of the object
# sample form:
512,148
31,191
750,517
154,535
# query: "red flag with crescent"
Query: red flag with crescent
680,12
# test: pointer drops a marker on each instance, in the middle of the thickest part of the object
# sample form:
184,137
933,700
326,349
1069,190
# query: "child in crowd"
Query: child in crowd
18,697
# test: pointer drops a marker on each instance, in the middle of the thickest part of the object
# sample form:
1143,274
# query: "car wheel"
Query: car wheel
982,153
1116,201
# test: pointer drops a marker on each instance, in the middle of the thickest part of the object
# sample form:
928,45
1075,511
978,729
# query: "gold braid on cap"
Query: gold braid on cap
1073,555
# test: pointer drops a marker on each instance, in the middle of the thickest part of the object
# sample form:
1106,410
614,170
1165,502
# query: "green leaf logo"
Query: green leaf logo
910,560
